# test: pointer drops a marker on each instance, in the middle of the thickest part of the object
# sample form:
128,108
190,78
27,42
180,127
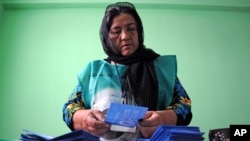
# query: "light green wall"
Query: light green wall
1,10
41,53
42,50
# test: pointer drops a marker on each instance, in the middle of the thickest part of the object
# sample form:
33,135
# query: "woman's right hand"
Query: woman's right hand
90,120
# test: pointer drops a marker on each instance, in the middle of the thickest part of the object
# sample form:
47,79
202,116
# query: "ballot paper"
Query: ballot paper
123,115
122,128
82,135
176,133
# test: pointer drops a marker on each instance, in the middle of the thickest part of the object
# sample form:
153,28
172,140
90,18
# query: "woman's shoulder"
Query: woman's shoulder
94,63
102,61
100,67
166,62
166,59
167,56
88,67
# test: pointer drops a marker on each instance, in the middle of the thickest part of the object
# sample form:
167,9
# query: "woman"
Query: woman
131,74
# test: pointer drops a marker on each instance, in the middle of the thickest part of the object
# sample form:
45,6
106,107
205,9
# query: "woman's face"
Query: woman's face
123,32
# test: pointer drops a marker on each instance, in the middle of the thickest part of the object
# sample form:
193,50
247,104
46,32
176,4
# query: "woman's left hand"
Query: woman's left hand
153,119
149,124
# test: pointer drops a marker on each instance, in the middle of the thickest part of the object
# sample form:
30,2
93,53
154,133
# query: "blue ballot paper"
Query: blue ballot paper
176,133
77,135
125,115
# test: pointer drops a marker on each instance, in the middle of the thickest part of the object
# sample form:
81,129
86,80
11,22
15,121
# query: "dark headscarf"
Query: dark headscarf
140,80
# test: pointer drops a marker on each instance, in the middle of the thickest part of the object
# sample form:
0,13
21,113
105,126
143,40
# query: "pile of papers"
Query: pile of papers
176,133
124,118
78,135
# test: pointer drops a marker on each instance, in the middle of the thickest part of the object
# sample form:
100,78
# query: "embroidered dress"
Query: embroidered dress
99,84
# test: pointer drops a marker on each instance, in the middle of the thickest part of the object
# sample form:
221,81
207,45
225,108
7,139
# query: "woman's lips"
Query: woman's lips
126,45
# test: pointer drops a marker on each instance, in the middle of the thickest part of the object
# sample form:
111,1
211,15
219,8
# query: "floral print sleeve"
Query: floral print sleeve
74,103
181,104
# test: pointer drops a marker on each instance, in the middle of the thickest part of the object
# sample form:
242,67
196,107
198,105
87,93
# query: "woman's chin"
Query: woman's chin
127,53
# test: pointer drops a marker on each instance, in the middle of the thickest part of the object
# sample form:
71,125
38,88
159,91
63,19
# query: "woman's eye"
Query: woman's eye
115,32
131,28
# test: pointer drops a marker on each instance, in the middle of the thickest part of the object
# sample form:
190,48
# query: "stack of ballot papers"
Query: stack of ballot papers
78,135
124,118
176,133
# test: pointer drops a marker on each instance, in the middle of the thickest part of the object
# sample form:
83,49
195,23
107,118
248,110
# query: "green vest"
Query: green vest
100,78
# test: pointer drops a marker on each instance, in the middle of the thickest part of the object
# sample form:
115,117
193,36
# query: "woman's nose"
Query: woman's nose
124,35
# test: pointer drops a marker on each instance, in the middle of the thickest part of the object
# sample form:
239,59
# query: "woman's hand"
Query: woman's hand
153,119
91,121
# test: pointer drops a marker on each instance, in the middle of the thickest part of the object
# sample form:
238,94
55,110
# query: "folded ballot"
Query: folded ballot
78,135
176,133
125,115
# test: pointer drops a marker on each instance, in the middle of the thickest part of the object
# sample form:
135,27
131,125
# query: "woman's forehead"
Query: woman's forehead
123,19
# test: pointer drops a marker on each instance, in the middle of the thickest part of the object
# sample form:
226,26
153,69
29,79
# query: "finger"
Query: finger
147,132
150,120
148,123
98,115
148,114
100,124
96,127
97,131
95,123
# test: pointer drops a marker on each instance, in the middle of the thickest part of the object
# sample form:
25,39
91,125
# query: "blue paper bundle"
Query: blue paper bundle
78,135
176,133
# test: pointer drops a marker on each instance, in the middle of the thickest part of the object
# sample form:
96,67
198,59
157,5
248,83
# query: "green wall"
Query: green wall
1,10
42,50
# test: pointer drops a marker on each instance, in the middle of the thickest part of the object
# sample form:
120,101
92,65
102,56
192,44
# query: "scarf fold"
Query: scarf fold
140,80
